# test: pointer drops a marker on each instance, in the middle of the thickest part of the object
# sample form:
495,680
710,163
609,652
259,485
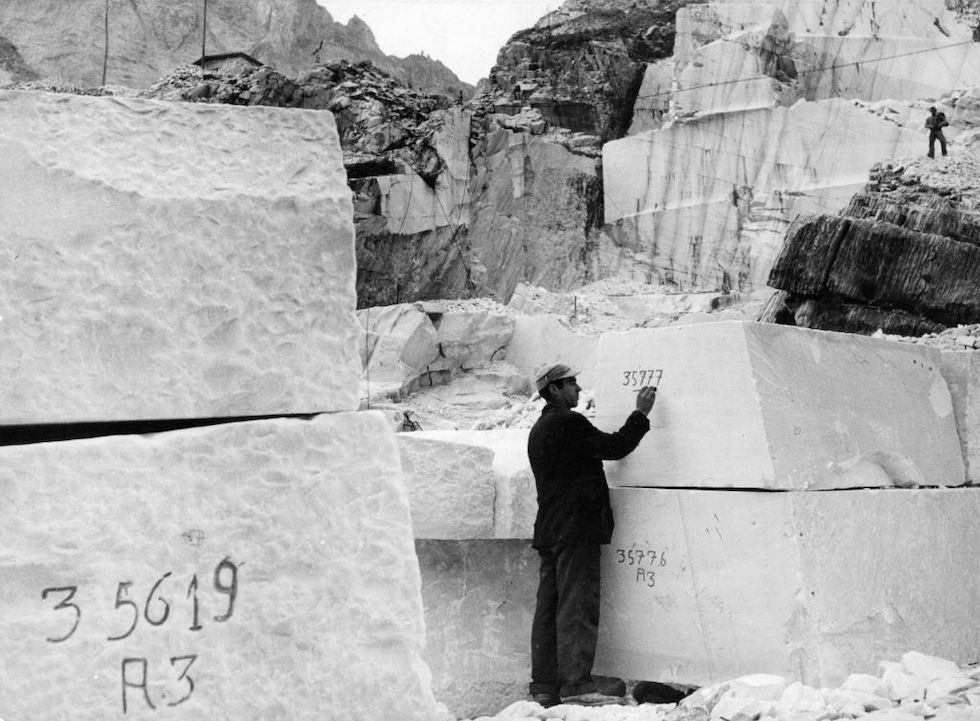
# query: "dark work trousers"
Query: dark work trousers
935,135
565,629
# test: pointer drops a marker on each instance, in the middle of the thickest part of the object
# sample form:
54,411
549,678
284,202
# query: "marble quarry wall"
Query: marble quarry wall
766,110
782,516
736,55
706,203
517,207
161,262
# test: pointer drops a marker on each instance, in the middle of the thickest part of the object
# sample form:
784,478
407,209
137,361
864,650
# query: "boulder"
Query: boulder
138,286
751,405
469,340
400,342
262,569
700,586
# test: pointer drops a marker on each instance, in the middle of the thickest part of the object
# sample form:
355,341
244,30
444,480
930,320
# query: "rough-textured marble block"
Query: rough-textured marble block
700,586
258,570
450,486
479,602
469,484
961,369
752,405
172,260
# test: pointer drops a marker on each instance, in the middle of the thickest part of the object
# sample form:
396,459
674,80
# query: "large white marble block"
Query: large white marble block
450,486
256,570
705,204
469,484
752,405
172,260
700,586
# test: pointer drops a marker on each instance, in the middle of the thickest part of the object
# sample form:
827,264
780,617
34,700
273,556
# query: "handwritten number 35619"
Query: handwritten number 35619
156,608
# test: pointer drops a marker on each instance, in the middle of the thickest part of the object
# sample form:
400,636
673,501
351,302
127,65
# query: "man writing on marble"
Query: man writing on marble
574,519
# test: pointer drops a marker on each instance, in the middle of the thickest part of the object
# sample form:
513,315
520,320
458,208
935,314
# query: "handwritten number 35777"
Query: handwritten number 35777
156,608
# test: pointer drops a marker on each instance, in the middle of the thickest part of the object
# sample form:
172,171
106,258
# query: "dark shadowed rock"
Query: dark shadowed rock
581,66
903,257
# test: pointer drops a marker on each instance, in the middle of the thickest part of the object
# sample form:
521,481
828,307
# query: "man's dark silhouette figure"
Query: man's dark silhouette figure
936,122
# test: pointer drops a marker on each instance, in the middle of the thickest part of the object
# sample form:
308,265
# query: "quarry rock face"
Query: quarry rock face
142,287
580,65
809,586
900,258
734,56
147,40
525,211
717,220
259,569
784,408
449,202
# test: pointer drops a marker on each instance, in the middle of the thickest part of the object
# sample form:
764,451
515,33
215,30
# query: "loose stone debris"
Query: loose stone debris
917,687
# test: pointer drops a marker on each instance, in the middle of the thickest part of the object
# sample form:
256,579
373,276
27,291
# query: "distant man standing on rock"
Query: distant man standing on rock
936,122
574,518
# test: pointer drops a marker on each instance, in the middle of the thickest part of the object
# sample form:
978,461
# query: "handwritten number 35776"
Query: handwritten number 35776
156,608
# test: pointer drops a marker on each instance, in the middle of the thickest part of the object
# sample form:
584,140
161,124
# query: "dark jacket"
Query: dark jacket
936,122
566,453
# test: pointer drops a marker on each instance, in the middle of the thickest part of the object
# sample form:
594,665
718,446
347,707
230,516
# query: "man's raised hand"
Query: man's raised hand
645,398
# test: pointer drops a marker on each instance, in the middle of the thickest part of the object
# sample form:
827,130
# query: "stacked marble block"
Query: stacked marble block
473,505
175,261
796,508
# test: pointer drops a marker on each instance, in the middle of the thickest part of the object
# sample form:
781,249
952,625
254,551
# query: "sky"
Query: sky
464,34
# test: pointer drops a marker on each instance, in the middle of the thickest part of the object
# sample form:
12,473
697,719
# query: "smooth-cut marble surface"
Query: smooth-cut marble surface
753,405
701,586
263,570
172,260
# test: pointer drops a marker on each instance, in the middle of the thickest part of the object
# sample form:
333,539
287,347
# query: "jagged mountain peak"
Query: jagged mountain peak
65,42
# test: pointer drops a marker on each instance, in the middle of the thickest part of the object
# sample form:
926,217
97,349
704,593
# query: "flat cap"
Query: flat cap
551,373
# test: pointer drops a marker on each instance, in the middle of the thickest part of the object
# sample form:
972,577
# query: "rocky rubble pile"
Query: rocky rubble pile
381,121
918,687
